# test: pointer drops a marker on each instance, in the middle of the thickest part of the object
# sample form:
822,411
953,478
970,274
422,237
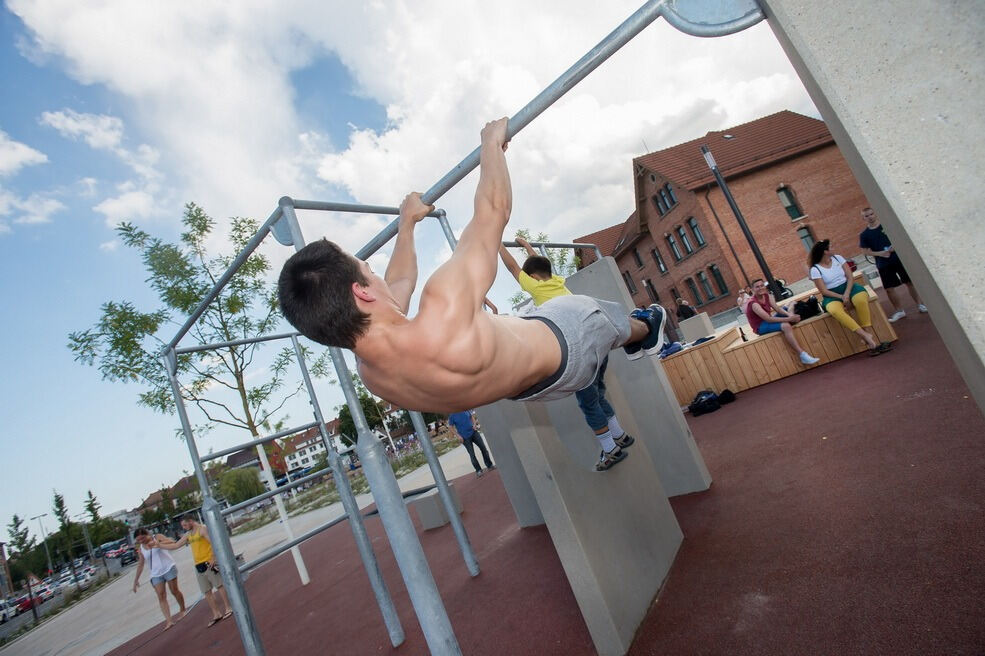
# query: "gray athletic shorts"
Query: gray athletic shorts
587,329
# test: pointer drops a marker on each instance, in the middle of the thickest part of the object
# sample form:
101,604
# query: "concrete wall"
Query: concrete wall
901,85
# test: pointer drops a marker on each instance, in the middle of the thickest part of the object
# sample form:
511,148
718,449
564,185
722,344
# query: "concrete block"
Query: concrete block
697,327
430,510
614,531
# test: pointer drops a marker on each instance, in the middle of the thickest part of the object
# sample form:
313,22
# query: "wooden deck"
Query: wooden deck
728,362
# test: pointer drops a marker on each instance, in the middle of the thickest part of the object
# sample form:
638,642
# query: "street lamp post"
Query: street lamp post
85,532
774,286
44,537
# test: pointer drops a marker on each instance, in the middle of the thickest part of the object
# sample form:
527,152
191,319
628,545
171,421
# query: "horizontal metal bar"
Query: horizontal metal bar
329,206
545,244
245,567
259,440
251,246
287,487
235,342
616,39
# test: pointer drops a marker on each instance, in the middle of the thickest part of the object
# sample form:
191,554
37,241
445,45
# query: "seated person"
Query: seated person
766,317
537,278
834,281
452,356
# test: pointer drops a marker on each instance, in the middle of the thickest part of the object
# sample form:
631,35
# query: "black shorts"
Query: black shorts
893,274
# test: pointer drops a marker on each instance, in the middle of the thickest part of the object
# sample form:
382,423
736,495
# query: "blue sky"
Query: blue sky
120,112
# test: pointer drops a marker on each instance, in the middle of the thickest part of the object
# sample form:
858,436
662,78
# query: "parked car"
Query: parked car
6,611
129,555
46,592
26,603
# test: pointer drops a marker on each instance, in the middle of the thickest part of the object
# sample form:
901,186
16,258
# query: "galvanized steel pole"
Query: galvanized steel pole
365,545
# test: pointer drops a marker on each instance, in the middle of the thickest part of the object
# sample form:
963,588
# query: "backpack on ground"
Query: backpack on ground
807,308
704,402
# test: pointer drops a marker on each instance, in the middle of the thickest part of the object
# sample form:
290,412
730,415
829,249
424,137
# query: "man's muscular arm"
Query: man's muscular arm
401,273
470,272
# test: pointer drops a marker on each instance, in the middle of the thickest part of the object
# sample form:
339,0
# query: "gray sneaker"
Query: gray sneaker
610,458
625,441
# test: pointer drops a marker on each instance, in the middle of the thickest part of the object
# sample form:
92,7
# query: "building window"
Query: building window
676,294
716,273
789,202
304,461
658,202
685,240
670,193
699,238
694,291
706,285
637,258
806,237
650,291
659,260
672,243
628,279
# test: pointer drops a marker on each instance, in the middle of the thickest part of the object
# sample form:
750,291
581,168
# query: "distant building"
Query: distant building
682,240
301,450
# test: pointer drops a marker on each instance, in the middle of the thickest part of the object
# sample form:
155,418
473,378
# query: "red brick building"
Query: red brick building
789,180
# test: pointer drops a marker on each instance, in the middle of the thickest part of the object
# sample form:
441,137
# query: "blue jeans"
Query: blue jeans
592,401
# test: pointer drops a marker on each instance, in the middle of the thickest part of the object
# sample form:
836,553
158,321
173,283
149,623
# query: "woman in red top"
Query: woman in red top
762,322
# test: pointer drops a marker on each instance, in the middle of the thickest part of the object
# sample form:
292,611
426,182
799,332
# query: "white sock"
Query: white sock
615,428
605,439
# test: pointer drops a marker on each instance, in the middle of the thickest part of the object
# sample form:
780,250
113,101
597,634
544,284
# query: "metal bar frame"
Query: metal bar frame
283,224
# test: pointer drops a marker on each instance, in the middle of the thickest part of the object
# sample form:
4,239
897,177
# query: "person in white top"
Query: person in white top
162,571
833,278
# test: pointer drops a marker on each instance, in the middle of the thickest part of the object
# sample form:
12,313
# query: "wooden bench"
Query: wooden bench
728,362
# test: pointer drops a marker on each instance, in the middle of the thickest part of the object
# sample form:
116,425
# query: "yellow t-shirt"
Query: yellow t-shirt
201,548
543,290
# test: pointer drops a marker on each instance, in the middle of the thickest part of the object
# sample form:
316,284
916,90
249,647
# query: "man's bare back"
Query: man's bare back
452,355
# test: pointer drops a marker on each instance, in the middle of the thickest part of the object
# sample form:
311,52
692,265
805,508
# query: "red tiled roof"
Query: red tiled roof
739,149
605,239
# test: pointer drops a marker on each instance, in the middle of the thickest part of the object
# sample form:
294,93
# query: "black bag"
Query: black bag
807,308
727,396
704,402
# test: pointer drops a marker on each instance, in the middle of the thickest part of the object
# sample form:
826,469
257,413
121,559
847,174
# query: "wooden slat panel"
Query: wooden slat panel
766,354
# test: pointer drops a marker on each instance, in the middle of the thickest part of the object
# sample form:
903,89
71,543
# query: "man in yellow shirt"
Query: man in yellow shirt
207,571
537,278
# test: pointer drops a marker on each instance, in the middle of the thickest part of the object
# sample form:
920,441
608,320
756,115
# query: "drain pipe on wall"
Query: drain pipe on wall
725,234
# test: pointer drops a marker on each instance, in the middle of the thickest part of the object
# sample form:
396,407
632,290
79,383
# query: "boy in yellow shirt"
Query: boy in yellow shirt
537,278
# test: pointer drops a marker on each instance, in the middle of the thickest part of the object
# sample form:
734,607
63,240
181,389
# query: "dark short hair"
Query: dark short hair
141,531
315,294
757,280
538,264
817,251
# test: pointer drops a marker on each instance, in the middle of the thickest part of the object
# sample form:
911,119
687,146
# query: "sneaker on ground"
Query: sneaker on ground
624,441
884,346
478,474
896,316
806,358
656,318
608,459
633,351
922,308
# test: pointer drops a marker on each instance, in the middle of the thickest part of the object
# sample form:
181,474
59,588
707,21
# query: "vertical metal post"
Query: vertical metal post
773,285
446,228
285,521
365,545
406,547
218,533
543,250
444,492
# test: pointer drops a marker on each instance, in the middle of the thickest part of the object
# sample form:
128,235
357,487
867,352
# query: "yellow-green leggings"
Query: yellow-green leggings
861,302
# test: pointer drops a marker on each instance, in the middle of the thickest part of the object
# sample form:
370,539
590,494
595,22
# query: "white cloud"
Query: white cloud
208,87
109,246
36,208
99,131
15,155
130,205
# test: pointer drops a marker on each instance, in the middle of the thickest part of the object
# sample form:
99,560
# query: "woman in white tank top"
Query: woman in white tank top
162,571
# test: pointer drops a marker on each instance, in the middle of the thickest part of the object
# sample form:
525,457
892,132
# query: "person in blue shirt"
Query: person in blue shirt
464,424
875,242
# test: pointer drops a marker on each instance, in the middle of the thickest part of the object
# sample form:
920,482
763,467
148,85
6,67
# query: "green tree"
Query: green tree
64,534
239,485
106,530
21,541
563,260
92,507
373,410
125,343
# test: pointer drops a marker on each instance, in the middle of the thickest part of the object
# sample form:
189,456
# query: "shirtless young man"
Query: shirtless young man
452,355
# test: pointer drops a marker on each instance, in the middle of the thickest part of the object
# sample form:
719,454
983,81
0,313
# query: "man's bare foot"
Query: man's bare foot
168,626
181,613
214,620
228,613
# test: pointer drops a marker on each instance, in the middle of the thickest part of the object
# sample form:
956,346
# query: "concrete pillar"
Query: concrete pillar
901,86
